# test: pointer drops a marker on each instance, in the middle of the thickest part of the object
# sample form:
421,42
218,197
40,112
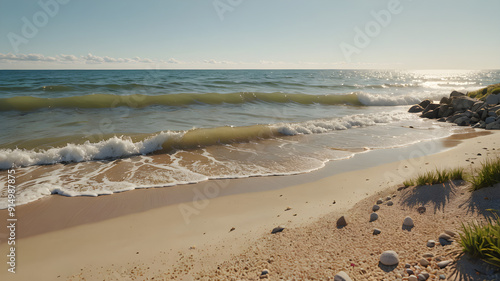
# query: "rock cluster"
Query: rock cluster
463,110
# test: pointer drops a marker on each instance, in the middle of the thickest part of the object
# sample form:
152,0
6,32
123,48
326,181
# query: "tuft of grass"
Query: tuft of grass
488,174
484,92
482,241
435,177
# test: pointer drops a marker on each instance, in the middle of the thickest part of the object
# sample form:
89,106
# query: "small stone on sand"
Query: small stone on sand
341,222
375,208
389,258
277,229
342,276
373,217
408,221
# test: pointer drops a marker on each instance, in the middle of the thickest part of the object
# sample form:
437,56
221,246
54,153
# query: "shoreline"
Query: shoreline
158,237
44,215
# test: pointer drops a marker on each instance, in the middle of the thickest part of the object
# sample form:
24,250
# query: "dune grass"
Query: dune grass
484,92
482,241
435,177
487,175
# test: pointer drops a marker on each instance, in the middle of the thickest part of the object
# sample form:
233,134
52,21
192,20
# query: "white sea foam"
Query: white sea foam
394,100
112,148
343,123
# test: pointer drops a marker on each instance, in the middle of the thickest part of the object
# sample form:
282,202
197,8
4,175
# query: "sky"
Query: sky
249,34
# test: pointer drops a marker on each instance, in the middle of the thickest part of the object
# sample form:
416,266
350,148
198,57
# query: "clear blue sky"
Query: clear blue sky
421,34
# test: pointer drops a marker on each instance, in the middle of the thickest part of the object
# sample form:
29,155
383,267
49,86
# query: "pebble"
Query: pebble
380,201
426,275
389,258
442,276
407,265
388,198
390,203
412,278
373,217
443,264
277,229
431,243
342,276
445,236
428,255
424,262
376,231
341,222
264,272
409,271
421,210
375,208
451,233
408,222
421,277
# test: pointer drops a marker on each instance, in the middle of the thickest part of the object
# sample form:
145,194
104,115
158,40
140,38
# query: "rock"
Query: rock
409,271
474,119
375,208
264,272
388,198
431,243
425,103
373,217
390,203
380,201
412,278
492,99
342,276
341,222
451,233
407,265
376,231
444,100
490,119
477,106
430,107
428,255
277,229
442,276
462,103
431,114
424,262
421,209
445,236
421,277
425,274
462,121
443,264
456,94
448,112
442,109
389,258
415,109
408,221
496,126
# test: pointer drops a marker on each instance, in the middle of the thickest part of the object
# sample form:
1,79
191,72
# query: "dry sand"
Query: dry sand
161,243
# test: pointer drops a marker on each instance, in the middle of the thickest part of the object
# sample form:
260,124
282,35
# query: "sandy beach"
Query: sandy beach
225,234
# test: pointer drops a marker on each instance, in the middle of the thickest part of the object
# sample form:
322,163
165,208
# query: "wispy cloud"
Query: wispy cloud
88,59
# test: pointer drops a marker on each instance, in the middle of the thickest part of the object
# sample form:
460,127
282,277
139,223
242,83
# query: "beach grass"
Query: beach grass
484,92
482,241
487,175
435,177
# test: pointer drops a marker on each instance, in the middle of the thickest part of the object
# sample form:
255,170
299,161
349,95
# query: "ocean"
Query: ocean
97,132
